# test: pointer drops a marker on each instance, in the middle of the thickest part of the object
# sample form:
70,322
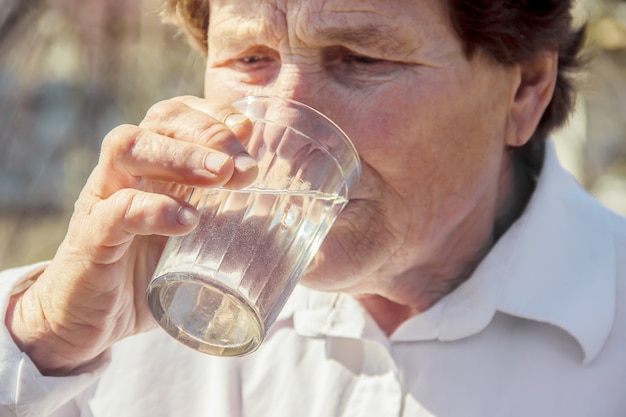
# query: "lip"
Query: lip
357,199
350,205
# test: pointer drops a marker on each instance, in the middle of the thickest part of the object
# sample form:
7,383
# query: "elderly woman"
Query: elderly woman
468,276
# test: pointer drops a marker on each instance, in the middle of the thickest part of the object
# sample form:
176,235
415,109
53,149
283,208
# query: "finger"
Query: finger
131,155
234,119
202,122
114,222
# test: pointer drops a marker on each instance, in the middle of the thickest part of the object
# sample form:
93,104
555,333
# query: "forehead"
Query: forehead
384,23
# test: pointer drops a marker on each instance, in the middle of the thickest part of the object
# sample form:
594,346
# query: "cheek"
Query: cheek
395,132
219,84
378,123
434,144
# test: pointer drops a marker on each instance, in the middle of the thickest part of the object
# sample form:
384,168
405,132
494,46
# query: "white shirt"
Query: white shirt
538,330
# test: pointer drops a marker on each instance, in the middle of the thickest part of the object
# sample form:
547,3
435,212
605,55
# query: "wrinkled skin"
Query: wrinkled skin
433,130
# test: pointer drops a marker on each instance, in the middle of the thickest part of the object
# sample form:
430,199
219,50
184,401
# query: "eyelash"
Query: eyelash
254,59
361,60
350,59
258,67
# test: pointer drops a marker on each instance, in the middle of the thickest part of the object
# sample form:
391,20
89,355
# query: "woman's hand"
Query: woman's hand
92,294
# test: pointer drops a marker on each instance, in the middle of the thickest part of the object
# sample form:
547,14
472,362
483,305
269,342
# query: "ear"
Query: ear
533,91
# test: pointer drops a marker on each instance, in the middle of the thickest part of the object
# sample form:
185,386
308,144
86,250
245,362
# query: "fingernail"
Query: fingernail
214,161
233,119
187,216
244,162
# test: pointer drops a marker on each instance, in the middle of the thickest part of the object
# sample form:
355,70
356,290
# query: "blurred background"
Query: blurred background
71,70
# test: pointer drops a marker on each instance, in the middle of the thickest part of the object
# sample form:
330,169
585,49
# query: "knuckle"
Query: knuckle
185,98
121,140
142,212
215,134
162,111
130,202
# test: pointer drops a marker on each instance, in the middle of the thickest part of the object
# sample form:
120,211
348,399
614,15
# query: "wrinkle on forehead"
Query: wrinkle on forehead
387,25
236,20
361,23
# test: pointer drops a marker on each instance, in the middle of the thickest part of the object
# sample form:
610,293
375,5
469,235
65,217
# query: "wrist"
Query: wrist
31,333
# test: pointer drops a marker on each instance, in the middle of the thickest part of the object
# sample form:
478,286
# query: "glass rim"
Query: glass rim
356,175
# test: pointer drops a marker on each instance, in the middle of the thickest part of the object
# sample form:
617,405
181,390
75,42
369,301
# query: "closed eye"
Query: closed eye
361,59
351,67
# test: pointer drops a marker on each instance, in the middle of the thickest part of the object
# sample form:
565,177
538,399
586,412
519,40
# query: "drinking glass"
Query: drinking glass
219,288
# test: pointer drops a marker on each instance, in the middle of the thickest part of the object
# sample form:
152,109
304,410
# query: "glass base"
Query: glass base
208,318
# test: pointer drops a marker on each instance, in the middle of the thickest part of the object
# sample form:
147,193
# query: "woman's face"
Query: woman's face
429,125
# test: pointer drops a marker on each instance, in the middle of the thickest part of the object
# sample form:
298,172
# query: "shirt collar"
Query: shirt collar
561,269
556,265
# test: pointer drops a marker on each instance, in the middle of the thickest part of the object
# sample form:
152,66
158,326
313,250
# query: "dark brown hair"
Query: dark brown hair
510,31
514,31
192,16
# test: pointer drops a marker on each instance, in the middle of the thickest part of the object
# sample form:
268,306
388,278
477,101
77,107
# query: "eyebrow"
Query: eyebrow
366,36
371,36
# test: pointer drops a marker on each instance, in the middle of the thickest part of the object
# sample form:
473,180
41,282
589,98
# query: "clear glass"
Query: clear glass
219,289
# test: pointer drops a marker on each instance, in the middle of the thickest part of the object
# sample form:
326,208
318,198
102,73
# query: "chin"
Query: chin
357,246
321,274
337,264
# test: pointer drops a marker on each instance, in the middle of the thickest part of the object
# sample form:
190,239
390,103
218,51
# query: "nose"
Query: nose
301,82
